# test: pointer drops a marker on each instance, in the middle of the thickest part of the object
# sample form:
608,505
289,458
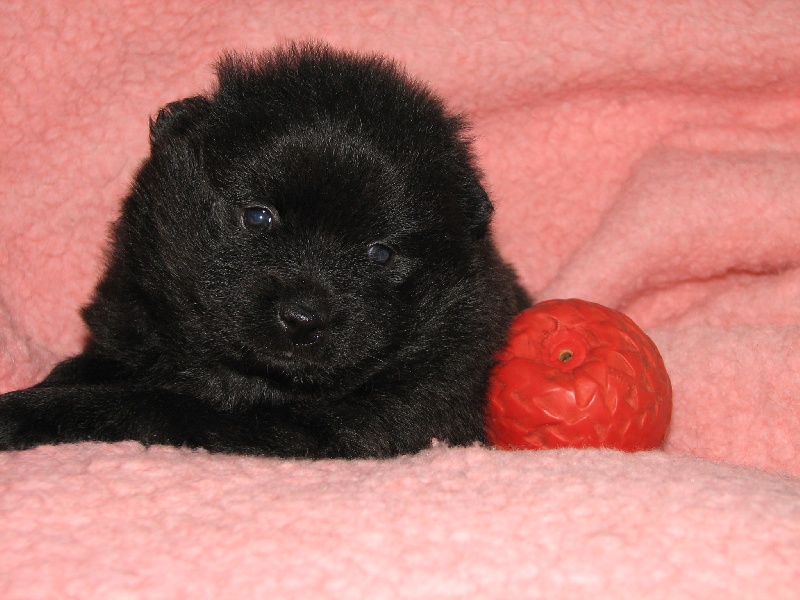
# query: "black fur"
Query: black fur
303,267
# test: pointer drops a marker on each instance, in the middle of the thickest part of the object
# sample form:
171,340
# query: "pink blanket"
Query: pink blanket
642,155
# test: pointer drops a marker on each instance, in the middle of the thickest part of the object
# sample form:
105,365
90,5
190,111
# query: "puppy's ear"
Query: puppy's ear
479,211
178,118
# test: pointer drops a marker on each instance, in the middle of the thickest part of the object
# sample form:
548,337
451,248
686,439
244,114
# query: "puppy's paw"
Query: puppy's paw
10,429
25,421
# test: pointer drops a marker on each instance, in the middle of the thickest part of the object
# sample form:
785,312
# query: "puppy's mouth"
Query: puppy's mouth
310,367
312,349
285,369
288,354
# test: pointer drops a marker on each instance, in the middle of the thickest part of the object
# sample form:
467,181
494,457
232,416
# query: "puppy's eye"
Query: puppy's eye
258,218
381,254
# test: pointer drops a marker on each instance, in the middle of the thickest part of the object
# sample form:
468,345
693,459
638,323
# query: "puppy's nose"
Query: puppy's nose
303,324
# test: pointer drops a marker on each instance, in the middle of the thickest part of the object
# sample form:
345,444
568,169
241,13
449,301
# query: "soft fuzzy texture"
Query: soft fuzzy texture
642,155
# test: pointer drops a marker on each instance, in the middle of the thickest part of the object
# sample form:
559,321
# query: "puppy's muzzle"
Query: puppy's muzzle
304,323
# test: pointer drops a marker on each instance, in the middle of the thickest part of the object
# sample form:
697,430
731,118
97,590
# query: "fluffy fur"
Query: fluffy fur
303,267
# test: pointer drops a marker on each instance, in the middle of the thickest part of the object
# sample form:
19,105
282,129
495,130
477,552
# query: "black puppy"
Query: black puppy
302,268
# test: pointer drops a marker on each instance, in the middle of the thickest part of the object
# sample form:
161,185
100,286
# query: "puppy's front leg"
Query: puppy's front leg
87,398
113,413
101,412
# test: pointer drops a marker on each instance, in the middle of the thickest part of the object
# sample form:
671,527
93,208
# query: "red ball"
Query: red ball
578,374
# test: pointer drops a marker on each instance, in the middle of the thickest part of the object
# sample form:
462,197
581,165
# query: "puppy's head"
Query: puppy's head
309,222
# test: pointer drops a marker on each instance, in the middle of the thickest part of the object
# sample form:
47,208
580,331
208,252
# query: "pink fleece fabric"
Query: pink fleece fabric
642,155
